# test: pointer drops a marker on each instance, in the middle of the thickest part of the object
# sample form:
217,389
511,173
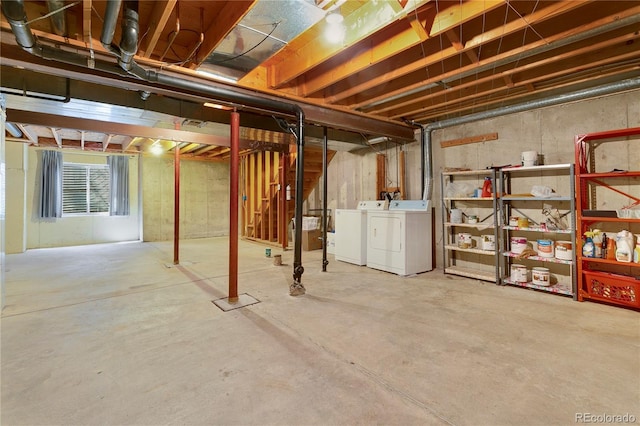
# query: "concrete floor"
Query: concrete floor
108,334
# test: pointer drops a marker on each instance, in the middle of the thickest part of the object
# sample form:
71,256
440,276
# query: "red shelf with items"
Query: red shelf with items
605,280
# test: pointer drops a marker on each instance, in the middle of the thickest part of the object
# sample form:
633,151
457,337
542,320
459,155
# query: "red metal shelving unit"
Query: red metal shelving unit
599,279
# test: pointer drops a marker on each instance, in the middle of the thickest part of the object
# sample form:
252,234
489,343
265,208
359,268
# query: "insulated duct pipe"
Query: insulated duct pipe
13,10
58,19
603,90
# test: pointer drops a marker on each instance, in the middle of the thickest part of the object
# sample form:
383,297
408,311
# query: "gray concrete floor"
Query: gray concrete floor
109,334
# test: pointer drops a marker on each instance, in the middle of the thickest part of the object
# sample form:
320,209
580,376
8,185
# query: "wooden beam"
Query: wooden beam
86,21
368,19
56,136
227,18
383,45
159,17
107,141
381,174
401,168
30,136
468,140
549,12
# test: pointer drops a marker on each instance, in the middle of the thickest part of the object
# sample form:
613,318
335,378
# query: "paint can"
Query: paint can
545,248
518,244
518,273
530,158
488,242
472,219
267,252
564,250
464,240
277,259
513,221
540,276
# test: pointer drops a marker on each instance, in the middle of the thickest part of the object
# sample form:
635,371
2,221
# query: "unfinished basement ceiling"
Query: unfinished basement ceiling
399,61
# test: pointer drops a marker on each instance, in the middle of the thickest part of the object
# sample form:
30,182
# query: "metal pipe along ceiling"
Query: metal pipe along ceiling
14,12
603,90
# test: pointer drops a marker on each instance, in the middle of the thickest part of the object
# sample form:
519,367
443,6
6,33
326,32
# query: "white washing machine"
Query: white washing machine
351,231
400,239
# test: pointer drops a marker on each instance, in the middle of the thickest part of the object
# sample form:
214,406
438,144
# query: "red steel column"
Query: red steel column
233,202
176,205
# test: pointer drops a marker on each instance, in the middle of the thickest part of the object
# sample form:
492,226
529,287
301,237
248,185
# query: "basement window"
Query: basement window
85,189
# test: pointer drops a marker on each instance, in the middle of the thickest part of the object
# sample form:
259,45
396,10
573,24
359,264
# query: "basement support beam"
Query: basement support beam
176,206
233,210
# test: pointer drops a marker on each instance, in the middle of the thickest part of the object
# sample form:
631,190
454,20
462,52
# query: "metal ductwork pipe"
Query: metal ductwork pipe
58,20
606,89
110,22
130,31
13,10
13,129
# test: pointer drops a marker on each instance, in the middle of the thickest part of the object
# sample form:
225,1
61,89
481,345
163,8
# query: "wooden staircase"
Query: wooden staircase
264,177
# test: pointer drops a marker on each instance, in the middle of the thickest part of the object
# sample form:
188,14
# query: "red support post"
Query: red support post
233,202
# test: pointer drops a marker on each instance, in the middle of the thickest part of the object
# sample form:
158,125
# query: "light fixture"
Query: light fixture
217,106
156,148
334,31
334,18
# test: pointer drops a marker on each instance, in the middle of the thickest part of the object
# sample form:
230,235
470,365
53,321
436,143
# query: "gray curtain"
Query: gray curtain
119,185
51,184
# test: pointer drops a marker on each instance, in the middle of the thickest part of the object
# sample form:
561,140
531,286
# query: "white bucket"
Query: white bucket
518,244
564,250
530,158
540,276
545,248
456,216
518,273
464,240
488,242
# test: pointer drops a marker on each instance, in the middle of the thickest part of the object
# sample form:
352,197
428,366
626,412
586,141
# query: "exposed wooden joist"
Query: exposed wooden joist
86,21
30,136
468,140
159,17
520,53
541,15
544,69
230,15
106,142
368,19
56,136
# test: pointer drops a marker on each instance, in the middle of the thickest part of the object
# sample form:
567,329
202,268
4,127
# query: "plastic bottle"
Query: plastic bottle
587,247
487,188
624,246
611,248
597,243
636,251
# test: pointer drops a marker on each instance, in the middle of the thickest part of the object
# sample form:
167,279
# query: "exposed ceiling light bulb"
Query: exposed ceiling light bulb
335,31
156,148
334,18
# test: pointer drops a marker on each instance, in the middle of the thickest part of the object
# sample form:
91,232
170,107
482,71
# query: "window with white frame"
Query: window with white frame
85,189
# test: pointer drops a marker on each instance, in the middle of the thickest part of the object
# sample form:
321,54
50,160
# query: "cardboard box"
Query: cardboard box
311,240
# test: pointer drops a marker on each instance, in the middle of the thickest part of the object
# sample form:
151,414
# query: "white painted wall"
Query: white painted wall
204,198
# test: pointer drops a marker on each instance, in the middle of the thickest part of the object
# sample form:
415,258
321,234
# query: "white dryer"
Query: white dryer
400,239
351,231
